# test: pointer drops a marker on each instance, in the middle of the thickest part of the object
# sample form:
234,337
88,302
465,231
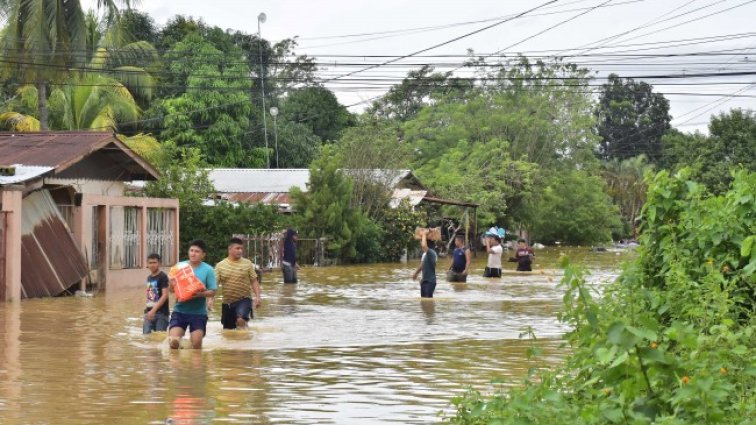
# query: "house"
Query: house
65,223
272,186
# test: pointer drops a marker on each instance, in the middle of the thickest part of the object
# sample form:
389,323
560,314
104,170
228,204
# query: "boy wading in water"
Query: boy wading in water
289,264
237,278
192,314
156,308
459,266
523,256
427,267
494,249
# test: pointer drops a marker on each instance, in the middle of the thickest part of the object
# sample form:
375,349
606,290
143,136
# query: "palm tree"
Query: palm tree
91,102
45,39
625,180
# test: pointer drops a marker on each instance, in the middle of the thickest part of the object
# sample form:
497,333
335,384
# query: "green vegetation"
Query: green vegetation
524,139
668,342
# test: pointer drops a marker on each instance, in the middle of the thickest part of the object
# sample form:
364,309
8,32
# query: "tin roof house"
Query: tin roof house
64,222
272,186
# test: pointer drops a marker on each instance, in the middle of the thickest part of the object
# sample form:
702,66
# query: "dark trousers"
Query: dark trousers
489,272
427,288
289,273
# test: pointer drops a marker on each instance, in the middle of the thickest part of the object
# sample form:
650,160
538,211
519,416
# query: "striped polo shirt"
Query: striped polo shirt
235,279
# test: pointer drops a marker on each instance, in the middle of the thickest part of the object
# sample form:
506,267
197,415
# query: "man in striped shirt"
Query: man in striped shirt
237,280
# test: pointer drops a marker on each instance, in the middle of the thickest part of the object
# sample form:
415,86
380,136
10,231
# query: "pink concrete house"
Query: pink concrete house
65,223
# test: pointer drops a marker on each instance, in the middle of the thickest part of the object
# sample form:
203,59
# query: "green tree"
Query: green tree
317,108
196,117
139,26
631,119
325,210
572,207
297,146
670,341
730,145
365,149
418,89
44,38
625,181
90,102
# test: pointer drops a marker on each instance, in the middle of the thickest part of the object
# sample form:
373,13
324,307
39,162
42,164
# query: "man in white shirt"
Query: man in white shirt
494,250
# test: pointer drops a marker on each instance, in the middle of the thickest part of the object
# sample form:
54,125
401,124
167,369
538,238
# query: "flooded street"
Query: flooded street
347,345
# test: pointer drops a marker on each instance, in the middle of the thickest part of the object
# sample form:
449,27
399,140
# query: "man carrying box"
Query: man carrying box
193,312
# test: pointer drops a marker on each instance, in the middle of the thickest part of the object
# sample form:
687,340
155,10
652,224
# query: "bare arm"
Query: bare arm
256,290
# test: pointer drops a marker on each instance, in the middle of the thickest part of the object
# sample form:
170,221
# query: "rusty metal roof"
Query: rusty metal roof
268,198
64,150
258,180
51,262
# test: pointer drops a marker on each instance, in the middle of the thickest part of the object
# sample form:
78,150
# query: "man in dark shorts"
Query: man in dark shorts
459,265
523,256
192,314
237,279
427,267
289,264
494,250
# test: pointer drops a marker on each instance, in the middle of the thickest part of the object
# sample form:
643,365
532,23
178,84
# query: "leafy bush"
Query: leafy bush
671,341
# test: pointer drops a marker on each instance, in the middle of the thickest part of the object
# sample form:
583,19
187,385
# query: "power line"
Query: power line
435,46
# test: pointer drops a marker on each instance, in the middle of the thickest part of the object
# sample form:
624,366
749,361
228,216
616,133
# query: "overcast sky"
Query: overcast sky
328,28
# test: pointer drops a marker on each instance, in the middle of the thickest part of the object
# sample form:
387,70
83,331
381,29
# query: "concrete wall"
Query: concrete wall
93,187
11,201
106,277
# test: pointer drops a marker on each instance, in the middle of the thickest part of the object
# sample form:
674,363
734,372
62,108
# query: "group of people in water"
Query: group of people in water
461,257
240,281
238,277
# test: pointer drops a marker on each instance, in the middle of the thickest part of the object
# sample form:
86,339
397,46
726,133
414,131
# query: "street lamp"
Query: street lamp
261,18
273,113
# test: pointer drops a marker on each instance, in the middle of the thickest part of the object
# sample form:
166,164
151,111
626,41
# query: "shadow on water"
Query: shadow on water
352,344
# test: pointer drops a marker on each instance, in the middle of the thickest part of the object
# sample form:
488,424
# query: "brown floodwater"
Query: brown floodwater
347,345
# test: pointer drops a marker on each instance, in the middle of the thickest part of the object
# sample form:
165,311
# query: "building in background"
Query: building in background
65,223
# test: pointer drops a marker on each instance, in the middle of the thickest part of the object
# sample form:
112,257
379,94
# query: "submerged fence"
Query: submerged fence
265,250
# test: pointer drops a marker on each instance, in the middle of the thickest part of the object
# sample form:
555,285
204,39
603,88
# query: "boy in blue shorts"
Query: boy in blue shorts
156,308
193,313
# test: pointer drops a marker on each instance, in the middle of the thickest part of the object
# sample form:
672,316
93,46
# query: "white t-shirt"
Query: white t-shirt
494,257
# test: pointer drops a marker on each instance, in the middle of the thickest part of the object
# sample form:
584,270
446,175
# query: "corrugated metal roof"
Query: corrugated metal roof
413,196
51,262
266,180
268,198
24,173
62,150
250,180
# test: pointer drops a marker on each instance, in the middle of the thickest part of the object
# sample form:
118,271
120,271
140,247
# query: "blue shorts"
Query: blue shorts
195,322
160,323
230,312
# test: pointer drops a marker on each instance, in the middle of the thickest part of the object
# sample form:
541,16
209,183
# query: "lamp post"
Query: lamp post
261,18
273,113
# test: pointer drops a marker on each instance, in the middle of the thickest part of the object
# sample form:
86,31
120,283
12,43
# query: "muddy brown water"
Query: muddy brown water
347,345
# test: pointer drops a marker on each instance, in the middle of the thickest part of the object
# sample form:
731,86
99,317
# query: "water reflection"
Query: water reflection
352,344
429,310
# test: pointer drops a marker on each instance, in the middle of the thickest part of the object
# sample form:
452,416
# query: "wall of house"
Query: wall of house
99,222
93,187
10,204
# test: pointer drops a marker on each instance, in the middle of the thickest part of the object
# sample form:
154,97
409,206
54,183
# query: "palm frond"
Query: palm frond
133,54
144,145
137,80
13,121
